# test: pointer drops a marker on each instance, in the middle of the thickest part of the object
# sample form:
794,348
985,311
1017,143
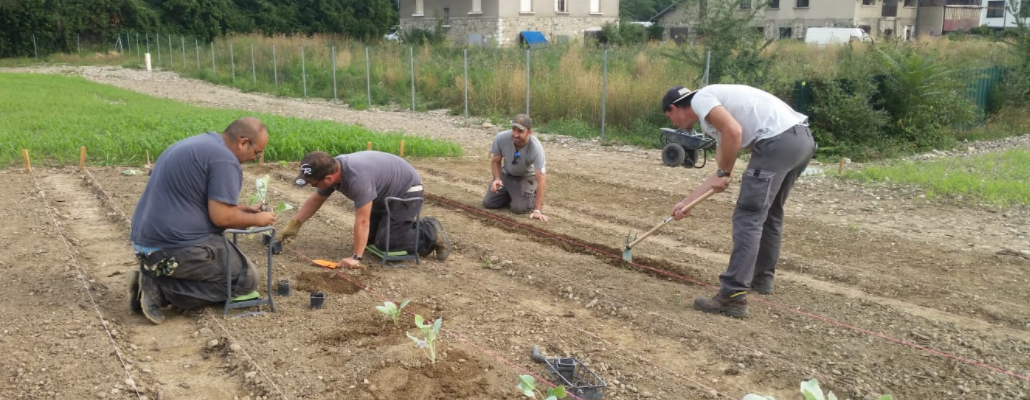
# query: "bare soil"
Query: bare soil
879,290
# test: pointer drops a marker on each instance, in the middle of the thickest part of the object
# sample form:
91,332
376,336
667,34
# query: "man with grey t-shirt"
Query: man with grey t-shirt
745,118
369,178
190,199
518,167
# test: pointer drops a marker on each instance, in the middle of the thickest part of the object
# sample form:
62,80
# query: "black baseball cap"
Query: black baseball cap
676,95
315,166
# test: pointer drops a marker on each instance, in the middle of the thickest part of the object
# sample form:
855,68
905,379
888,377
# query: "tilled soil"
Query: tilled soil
878,291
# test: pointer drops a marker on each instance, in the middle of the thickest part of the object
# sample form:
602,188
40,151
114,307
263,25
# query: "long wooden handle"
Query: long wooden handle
668,219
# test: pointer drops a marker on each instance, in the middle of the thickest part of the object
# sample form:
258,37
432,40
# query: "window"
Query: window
595,6
1024,9
446,16
418,8
745,4
477,7
786,32
890,8
561,6
774,4
868,2
802,4
996,9
910,3
527,6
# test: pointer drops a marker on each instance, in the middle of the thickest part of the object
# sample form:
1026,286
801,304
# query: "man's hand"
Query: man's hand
349,263
265,218
495,186
717,183
536,214
292,231
251,209
677,210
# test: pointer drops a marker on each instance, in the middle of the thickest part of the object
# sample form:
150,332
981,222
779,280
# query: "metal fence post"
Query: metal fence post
708,65
411,59
157,43
303,72
368,78
182,42
527,81
78,44
334,74
232,61
214,69
196,47
604,92
147,35
138,55
35,50
253,67
465,55
171,53
275,67
128,42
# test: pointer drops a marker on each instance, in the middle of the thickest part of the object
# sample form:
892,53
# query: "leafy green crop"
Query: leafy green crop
527,384
392,310
52,116
429,332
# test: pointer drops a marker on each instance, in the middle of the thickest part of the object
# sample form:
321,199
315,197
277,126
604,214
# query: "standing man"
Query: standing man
368,178
518,166
190,199
743,117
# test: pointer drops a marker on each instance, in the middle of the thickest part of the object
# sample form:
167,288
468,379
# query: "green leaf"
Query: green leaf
557,392
527,384
886,397
282,206
419,322
811,390
832,396
383,310
403,304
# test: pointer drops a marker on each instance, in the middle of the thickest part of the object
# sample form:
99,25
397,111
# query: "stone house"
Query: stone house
788,19
500,21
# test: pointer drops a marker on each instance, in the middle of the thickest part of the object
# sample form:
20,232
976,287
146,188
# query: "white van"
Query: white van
825,36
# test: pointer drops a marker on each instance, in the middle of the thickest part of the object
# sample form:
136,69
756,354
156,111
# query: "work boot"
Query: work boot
149,300
734,305
134,293
441,245
763,287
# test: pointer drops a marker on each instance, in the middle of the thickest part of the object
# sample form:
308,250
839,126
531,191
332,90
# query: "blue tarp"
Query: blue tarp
533,38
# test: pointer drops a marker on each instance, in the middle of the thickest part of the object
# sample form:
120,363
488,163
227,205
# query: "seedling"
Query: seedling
527,384
812,391
392,310
283,164
429,332
260,195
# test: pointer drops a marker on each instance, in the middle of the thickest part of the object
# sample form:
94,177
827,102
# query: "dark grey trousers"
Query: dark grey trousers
518,193
775,165
402,226
198,277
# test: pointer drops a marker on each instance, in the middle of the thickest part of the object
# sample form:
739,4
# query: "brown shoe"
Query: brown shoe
442,245
734,305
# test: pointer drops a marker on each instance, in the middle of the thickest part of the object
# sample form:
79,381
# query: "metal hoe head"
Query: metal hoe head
627,253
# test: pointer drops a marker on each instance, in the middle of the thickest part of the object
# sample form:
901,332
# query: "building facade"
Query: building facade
996,13
500,21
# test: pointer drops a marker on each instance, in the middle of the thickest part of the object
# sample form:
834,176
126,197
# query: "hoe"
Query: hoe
627,254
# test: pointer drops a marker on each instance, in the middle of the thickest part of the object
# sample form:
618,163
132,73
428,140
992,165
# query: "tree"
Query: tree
725,31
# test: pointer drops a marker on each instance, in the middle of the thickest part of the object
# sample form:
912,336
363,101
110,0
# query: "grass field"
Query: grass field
995,178
53,116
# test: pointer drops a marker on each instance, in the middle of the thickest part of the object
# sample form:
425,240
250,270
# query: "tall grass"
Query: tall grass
117,126
995,178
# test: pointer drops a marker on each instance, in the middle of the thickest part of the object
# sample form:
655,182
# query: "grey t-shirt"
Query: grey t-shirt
373,176
530,157
173,209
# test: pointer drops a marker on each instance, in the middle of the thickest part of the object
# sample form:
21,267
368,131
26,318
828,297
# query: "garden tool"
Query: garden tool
627,255
325,264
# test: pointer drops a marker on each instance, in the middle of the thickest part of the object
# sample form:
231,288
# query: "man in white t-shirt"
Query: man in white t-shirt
739,118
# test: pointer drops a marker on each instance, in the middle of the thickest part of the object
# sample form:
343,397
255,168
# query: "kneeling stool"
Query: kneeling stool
229,303
401,255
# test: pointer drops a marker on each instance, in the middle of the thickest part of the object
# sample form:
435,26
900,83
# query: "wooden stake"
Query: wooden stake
369,146
82,158
25,155
149,165
262,160
840,168
402,148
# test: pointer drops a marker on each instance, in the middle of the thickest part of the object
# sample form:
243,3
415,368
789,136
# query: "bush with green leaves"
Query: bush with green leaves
527,384
429,333
392,310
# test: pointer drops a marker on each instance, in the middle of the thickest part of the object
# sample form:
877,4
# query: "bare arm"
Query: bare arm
362,216
310,207
731,132
495,168
541,188
228,216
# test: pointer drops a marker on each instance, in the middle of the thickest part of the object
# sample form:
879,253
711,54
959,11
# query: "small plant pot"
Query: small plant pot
317,299
283,287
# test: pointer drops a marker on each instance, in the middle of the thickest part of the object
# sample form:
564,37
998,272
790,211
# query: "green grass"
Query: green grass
53,116
998,178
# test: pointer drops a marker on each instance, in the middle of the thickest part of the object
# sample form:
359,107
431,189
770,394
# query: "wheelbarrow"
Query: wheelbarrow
682,146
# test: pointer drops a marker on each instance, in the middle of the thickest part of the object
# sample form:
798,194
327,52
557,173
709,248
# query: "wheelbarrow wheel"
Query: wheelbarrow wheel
673,155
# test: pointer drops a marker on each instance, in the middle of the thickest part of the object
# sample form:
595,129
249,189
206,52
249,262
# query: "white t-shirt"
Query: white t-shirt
760,114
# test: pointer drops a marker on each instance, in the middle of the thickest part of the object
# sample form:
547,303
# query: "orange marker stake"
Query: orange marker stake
369,146
82,159
402,147
25,155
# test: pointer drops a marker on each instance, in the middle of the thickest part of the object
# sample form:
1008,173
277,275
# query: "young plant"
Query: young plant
429,332
392,310
261,194
812,391
527,384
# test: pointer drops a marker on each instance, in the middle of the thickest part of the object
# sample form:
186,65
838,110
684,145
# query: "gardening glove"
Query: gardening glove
292,230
